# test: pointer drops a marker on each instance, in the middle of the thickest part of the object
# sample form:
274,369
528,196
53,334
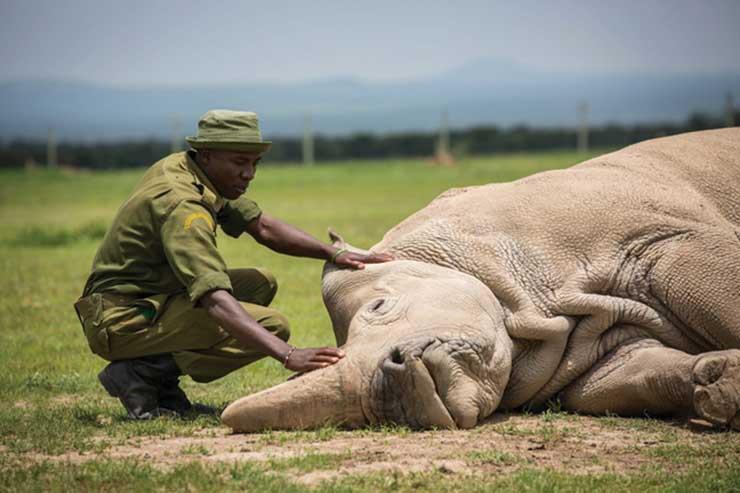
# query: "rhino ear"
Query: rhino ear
338,242
336,239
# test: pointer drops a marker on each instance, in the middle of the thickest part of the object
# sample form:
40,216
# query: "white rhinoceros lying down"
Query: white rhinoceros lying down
613,286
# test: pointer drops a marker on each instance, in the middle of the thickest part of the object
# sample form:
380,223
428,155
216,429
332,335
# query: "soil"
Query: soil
574,444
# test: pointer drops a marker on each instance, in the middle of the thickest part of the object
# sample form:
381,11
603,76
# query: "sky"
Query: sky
177,43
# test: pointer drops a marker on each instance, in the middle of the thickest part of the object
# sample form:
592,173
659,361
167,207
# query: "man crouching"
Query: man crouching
160,301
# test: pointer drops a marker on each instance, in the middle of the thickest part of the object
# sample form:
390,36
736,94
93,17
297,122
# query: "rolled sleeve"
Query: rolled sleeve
236,214
189,243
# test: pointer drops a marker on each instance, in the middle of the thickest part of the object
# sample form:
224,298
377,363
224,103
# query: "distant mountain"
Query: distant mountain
487,91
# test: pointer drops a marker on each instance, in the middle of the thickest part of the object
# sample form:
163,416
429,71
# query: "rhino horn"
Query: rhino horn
330,396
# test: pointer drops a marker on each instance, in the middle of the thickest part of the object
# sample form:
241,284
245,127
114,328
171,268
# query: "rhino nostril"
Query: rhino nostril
396,356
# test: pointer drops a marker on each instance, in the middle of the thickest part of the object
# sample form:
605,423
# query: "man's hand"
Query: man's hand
358,260
230,315
302,360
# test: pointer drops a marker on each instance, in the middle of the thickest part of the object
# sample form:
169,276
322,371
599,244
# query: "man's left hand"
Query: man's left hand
358,260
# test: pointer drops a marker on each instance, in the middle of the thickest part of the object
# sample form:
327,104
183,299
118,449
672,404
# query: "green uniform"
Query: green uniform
156,261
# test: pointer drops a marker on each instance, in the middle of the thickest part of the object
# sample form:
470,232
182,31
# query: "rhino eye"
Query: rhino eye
377,304
381,310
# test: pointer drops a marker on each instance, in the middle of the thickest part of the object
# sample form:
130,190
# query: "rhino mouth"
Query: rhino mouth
427,385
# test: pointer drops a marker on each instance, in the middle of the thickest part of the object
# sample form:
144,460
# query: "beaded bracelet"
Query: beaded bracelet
287,357
337,254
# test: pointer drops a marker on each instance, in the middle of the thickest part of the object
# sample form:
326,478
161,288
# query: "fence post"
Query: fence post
176,127
307,141
729,111
583,127
51,150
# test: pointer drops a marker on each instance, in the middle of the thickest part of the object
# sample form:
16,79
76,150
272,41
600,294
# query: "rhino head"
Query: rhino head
425,347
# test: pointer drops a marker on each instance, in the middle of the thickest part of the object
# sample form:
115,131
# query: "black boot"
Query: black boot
171,396
138,395
161,371
151,387
172,399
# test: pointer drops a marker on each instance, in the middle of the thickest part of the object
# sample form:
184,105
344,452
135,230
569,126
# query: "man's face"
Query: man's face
229,171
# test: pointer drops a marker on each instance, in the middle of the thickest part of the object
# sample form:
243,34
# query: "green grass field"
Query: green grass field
60,431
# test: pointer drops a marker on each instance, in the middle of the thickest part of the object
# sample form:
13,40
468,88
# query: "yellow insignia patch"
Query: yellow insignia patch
198,215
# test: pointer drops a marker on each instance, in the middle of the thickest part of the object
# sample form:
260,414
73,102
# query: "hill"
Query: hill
487,91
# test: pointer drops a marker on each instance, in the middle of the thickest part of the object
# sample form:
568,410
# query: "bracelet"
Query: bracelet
337,254
287,357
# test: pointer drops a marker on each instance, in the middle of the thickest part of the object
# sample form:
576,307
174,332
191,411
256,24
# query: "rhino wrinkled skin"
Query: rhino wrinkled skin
612,286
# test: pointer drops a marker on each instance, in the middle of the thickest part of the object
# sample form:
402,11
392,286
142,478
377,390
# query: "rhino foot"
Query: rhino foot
717,388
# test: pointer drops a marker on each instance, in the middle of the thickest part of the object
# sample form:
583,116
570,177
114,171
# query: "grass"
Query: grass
532,480
55,236
272,437
135,476
494,457
196,449
52,222
126,475
308,462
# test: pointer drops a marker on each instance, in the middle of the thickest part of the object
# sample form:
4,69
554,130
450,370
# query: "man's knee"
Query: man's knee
228,355
271,282
277,324
253,285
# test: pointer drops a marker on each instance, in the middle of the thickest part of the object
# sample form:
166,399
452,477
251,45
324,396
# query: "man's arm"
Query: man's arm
230,315
189,244
285,238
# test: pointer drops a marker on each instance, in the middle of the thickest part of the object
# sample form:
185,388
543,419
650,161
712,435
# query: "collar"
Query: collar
210,195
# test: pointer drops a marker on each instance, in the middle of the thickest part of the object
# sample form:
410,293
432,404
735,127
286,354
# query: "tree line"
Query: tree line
476,140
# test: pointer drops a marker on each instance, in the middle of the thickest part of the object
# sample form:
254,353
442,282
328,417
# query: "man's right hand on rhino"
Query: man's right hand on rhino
355,260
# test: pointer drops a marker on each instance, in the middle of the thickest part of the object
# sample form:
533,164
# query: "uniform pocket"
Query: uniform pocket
90,312
125,319
151,307
130,325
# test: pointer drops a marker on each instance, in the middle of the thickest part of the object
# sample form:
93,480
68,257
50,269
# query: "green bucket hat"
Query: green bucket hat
229,130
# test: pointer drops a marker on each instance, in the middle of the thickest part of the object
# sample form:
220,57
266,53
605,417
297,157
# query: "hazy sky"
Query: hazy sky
184,42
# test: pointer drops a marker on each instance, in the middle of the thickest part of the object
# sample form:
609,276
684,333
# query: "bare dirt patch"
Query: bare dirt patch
66,399
573,444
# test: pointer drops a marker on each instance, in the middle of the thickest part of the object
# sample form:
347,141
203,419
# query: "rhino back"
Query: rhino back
591,209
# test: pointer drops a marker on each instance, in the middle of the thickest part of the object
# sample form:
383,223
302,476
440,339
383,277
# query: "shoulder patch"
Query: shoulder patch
198,215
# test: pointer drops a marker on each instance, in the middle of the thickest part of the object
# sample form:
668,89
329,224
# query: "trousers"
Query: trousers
123,327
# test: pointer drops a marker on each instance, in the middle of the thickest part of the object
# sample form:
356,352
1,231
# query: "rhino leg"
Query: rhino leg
647,377
698,279
717,387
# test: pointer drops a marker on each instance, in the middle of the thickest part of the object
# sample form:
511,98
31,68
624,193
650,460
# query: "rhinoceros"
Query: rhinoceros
612,286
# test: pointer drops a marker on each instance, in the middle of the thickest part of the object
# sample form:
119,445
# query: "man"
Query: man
160,302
